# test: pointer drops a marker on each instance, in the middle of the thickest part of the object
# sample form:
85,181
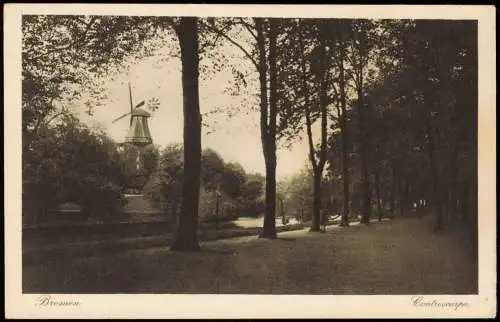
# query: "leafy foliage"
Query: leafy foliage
421,120
139,163
403,92
241,193
63,57
69,162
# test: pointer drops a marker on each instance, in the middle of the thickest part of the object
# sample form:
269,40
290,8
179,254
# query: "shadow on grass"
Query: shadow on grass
287,239
216,251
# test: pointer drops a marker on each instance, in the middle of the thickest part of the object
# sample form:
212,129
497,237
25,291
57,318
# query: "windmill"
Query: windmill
138,137
138,133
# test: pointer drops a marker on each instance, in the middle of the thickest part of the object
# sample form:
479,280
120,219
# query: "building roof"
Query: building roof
140,112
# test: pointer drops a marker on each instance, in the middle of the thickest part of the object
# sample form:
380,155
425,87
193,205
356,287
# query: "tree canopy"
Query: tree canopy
389,108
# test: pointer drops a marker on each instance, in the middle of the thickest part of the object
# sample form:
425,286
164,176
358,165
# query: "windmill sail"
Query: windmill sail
121,117
131,104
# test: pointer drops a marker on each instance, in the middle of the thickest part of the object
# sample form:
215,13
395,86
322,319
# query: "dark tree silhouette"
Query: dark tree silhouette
187,231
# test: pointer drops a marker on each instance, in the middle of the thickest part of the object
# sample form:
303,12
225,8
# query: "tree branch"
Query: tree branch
355,79
75,42
54,117
221,33
248,27
333,117
349,60
42,117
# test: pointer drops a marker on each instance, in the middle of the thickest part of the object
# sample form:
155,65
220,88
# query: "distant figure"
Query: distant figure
324,221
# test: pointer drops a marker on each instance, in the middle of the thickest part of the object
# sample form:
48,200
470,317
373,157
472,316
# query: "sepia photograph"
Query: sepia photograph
296,161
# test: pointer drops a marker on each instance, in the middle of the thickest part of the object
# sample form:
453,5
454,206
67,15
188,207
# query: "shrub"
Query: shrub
69,162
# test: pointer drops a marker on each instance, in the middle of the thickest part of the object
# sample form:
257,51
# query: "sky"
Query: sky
235,138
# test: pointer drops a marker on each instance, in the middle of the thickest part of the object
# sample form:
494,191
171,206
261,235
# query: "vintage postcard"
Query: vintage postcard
249,161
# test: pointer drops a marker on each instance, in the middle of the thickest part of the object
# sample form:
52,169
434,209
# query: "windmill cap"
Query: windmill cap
140,112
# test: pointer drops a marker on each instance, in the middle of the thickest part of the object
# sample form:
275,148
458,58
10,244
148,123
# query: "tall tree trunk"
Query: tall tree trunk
438,204
435,180
269,228
268,127
403,197
317,165
323,145
187,229
392,202
377,191
344,140
173,207
316,218
366,207
393,191
453,171
407,195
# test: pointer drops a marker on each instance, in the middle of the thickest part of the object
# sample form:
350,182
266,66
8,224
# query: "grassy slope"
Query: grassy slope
394,257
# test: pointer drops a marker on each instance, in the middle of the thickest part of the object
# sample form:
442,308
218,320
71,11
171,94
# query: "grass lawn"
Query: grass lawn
400,256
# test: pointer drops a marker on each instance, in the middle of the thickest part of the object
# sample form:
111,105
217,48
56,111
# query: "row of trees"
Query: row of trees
227,191
419,114
70,162
395,101
365,80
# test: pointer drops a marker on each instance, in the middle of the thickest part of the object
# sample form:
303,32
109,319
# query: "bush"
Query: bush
71,163
104,203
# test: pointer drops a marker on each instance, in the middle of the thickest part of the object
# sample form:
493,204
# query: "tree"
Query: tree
362,47
186,238
262,31
422,104
212,168
297,194
307,91
252,194
139,164
71,163
323,75
342,27
233,179
164,189
444,69
319,66
268,125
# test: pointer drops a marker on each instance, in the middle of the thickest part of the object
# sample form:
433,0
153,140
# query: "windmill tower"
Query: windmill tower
138,136
138,133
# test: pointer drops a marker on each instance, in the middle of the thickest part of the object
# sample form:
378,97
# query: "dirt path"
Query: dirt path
393,257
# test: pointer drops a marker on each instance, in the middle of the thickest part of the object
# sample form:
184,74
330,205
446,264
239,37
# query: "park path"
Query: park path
392,257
